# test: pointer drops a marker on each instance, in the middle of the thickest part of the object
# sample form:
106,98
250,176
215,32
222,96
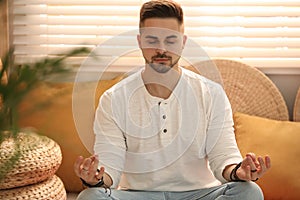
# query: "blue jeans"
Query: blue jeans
231,190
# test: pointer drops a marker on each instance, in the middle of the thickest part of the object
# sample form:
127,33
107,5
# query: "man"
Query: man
165,132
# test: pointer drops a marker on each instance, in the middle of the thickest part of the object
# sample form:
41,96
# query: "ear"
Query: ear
138,37
184,41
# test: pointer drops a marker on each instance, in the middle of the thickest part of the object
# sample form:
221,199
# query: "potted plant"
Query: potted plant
16,81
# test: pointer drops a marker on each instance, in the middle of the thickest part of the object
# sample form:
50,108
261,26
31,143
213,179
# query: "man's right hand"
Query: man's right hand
86,168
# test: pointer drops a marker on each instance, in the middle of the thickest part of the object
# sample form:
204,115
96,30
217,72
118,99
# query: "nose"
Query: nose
161,48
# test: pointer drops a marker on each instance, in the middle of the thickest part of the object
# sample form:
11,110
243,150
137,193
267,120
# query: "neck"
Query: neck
161,84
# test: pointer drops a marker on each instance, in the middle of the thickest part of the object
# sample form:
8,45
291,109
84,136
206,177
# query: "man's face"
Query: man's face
161,42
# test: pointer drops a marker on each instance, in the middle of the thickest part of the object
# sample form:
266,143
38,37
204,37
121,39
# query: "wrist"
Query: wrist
233,175
98,184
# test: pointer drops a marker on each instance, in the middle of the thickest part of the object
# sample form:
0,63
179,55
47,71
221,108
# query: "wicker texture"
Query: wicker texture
51,189
297,107
40,159
249,90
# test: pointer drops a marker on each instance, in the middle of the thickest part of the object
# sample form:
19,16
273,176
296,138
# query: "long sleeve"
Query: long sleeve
221,145
110,144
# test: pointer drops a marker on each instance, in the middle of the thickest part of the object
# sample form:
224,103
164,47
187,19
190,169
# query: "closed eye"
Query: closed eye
152,42
170,42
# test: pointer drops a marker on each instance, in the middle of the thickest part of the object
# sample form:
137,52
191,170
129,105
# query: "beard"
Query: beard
161,67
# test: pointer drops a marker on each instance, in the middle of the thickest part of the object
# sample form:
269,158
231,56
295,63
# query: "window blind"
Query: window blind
262,33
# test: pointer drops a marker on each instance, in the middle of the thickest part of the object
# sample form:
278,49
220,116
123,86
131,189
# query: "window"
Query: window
262,33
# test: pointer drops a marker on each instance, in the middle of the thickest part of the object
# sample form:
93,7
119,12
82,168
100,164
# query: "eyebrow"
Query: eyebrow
171,36
151,37
154,37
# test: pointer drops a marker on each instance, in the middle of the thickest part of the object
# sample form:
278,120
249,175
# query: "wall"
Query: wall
4,28
288,85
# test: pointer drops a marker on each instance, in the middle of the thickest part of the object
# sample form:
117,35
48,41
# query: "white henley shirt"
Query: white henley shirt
177,144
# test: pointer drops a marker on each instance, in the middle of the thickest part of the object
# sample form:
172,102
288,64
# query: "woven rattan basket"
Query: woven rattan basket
249,90
297,107
40,159
50,189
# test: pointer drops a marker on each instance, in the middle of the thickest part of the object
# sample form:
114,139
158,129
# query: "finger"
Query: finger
93,158
262,166
77,165
245,163
93,162
253,157
93,170
86,173
86,163
248,173
251,164
244,172
268,162
100,173
94,166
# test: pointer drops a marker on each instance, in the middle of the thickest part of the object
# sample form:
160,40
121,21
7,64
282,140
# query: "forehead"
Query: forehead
165,23
161,28
159,33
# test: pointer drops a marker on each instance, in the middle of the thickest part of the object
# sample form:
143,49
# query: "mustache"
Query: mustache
159,55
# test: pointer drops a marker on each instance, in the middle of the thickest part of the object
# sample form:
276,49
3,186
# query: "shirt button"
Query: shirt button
164,116
165,130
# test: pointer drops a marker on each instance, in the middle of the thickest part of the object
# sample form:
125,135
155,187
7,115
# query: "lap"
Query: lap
231,190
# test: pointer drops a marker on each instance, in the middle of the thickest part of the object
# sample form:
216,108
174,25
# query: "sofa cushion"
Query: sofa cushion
279,140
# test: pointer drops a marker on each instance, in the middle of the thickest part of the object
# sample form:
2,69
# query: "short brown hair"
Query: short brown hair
161,9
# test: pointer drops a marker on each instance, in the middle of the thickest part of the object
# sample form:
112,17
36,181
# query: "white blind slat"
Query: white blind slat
238,21
211,51
71,30
243,32
79,2
71,40
264,34
202,41
106,10
78,10
249,11
182,2
138,61
190,31
75,20
189,21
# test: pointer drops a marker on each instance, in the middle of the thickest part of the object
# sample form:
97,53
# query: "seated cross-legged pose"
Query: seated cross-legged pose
165,132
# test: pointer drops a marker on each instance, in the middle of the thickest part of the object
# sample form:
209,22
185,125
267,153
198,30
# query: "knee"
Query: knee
88,193
251,191
92,194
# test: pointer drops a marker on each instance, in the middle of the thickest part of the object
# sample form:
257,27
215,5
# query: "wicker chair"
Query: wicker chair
248,89
297,107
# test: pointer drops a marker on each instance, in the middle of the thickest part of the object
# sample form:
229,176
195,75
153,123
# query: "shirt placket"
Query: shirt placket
165,129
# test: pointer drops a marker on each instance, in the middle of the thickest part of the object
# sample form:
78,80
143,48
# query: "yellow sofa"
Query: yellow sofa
260,115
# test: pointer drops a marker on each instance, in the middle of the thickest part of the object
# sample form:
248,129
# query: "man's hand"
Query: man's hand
253,168
86,168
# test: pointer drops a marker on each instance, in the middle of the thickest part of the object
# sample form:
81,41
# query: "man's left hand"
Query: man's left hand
253,168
